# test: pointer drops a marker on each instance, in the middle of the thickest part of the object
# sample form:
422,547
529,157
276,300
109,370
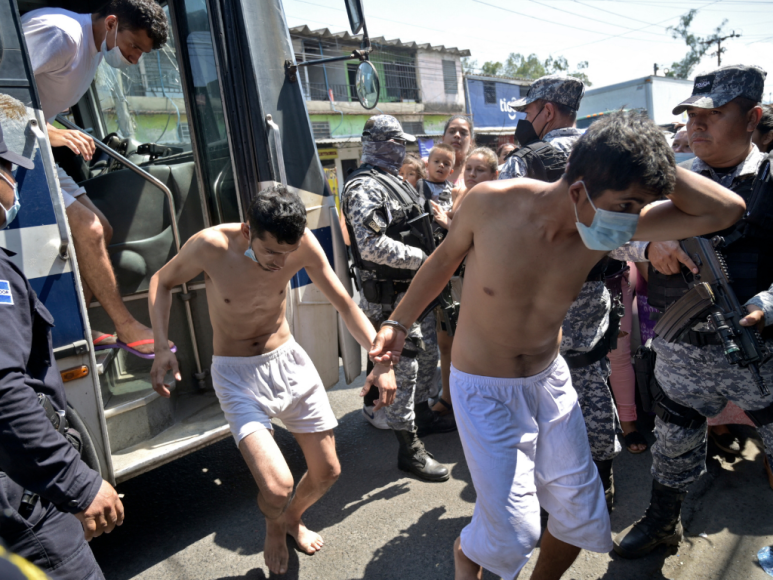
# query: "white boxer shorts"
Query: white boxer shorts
526,445
282,383
70,189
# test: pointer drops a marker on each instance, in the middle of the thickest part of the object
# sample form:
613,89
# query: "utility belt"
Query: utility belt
655,400
59,420
577,359
384,292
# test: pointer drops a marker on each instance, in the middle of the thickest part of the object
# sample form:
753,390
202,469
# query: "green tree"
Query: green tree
698,46
469,66
531,67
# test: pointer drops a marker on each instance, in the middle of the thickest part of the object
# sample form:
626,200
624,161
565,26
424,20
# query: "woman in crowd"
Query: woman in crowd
481,165
503,151
459,134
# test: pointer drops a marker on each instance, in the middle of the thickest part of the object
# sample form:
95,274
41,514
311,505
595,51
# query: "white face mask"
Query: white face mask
114,57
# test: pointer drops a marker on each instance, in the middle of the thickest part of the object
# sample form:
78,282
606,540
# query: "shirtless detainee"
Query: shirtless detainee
521,427
258,370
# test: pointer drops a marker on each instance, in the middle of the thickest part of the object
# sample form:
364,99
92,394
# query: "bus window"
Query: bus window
144,103
208,117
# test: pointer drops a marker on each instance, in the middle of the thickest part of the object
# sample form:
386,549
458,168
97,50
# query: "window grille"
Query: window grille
413,127
321,129
449,77
184,132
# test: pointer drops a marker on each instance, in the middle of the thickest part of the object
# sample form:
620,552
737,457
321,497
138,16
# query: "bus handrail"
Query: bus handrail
56,198
175,232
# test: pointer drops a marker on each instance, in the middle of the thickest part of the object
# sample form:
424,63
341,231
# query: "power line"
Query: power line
614,13
624,33
563,11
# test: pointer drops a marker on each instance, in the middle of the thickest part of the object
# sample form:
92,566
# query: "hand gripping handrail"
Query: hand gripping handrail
175,232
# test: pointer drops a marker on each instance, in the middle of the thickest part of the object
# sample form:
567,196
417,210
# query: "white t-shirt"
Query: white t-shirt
63,55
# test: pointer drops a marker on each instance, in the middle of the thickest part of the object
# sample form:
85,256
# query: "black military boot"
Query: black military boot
660,525
412,457
429,422
607,480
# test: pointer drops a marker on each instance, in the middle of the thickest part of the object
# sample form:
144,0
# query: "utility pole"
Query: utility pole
719,40
656,68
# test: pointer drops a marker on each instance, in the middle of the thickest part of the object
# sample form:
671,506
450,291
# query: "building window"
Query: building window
184,132
449,77
321,129
400,82
489,92
413,127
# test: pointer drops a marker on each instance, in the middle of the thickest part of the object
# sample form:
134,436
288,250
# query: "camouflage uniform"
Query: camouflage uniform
366,203
702,379
562,139
584,326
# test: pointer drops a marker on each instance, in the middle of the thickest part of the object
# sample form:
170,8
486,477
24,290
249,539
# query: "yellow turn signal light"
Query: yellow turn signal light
75,373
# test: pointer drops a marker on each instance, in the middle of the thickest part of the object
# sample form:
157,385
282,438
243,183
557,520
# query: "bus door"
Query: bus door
271,142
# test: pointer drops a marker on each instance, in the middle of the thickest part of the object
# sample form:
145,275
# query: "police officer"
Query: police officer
50,500
547,134
587,335
692,372
378,206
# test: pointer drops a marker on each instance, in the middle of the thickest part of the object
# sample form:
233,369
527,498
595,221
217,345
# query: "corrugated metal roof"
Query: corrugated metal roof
324,33
508,80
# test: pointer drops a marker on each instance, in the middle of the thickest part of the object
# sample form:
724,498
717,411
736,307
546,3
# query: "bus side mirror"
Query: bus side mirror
356,16
367,84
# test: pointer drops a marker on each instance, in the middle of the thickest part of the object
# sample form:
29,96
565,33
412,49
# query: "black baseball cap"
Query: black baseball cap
14,158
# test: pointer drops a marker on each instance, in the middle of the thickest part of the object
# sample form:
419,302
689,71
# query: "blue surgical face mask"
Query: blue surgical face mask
114,57
609,230
10,214
251,255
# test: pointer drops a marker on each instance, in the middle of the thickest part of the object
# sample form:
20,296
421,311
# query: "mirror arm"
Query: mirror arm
291,68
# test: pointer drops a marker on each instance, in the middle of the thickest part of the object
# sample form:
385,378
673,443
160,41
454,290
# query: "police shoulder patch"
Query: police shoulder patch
6,296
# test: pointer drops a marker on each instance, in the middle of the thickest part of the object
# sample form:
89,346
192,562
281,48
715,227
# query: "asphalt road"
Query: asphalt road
197,518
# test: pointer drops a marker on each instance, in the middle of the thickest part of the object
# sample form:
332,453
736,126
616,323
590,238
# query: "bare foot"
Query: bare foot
465,569
275,549
134,331
630,427
308,541
100,338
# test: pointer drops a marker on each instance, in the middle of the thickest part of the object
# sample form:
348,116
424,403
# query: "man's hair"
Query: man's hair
444,147
134,15
564,111
766,123
278,212
502,147
416,163
745,104
464,118
622,149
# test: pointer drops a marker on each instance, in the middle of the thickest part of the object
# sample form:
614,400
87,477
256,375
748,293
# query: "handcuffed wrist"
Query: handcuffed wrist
396,325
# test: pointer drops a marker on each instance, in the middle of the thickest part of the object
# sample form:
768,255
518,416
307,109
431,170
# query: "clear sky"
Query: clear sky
620,39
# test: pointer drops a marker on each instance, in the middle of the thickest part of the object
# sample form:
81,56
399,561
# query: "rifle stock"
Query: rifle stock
712,299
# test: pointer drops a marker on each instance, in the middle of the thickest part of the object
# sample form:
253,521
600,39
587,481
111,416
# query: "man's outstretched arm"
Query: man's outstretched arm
321,273
697,206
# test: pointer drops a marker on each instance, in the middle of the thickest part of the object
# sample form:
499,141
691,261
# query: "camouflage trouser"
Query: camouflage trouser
700,378
598,409
416,377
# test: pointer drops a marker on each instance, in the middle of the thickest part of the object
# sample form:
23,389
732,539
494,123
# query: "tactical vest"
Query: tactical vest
543,161
748,246
411,205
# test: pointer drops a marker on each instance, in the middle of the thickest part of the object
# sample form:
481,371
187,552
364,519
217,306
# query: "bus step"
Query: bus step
137,415
104,358
198,430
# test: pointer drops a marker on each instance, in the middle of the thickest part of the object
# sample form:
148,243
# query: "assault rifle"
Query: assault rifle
421,227
711,298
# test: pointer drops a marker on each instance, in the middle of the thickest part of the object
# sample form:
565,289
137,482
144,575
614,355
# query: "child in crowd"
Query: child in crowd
436,187
481,165
413,169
